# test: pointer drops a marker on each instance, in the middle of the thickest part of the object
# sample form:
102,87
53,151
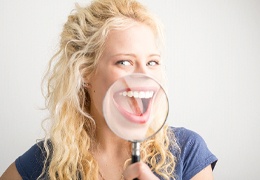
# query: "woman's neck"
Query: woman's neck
107,141
111,152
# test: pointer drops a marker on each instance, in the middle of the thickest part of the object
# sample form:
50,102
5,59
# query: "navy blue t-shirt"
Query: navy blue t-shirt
193,155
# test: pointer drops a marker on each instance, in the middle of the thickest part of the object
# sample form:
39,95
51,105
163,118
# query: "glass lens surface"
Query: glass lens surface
135,107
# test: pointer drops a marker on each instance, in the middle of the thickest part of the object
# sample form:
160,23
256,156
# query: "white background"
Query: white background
213,65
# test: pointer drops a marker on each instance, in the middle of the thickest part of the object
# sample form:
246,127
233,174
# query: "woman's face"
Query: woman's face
133,50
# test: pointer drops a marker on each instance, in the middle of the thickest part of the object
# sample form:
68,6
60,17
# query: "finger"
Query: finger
131,171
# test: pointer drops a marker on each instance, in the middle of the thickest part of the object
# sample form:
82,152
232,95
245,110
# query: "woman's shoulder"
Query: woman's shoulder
31,163
192,153
184,136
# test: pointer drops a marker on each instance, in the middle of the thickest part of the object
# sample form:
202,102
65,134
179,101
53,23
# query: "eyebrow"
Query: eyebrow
133,55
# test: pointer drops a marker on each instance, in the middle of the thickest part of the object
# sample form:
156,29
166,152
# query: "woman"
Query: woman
99,44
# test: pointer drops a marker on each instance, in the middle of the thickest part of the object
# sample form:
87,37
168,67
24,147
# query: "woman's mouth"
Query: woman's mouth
135,105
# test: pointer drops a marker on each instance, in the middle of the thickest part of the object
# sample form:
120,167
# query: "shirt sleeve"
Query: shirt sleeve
194,154
30,164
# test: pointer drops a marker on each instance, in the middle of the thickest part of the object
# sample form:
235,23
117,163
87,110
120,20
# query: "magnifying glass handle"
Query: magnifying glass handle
135,153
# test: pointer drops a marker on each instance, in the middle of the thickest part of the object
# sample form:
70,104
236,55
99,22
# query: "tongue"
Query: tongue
135,106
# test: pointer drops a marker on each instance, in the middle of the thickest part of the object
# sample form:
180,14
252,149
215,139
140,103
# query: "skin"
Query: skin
11,173
127,51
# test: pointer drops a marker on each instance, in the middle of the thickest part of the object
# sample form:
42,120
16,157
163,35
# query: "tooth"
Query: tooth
136,94
124,93
147,95
130,93
142,94
152,93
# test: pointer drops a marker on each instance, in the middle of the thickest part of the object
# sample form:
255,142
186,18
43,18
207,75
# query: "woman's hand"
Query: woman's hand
140,171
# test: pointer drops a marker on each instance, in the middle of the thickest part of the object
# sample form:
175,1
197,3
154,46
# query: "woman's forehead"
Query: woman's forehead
138,36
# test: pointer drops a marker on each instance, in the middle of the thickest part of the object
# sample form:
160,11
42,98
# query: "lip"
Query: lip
140,118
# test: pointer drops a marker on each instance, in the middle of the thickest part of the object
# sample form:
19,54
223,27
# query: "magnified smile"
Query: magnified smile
134,105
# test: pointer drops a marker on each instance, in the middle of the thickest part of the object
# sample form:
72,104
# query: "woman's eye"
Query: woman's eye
153,63
124,63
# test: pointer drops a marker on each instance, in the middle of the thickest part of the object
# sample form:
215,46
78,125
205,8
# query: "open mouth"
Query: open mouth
134,105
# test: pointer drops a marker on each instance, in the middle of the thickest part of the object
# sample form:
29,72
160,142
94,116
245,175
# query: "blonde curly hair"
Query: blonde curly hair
68,143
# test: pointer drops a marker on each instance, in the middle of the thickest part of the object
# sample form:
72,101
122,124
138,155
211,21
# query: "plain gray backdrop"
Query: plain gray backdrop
213,66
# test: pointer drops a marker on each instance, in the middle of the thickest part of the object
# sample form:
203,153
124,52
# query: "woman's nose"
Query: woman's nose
143,69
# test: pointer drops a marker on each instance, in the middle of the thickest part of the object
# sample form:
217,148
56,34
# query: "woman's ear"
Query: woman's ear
87,85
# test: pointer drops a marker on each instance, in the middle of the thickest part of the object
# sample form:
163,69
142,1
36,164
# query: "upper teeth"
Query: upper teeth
138,94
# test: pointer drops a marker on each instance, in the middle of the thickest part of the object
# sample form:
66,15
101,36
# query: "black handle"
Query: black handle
135,158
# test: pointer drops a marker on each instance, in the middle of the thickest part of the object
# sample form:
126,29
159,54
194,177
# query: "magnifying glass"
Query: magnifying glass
135,108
